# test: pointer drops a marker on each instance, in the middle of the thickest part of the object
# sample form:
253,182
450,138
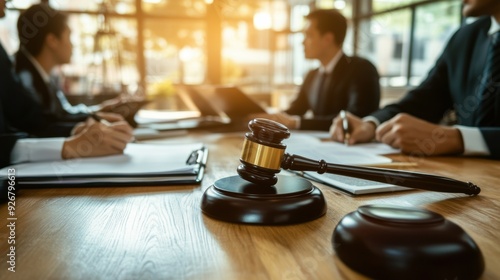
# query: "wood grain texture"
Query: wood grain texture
161,233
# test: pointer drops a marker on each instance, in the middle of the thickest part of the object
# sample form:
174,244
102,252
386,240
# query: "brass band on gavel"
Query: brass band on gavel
261,155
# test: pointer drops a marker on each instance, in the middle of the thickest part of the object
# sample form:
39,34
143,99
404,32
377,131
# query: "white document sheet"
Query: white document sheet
311,146
138,162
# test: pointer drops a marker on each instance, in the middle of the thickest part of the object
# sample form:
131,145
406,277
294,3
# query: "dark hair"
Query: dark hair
38,21
330,21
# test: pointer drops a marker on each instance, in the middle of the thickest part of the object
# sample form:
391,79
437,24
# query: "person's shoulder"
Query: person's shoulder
22,62
311,73
479,26
353,59
480,23
464,39
358,61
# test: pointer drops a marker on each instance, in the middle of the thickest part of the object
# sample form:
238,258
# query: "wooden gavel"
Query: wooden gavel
263,156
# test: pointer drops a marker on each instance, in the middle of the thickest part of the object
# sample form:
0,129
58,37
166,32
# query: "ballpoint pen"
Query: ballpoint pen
99,119
345,127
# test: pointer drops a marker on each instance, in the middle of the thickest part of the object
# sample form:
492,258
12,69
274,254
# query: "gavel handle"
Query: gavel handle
395,177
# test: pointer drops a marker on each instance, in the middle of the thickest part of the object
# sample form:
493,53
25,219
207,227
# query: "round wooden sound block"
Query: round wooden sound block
395,242
291,200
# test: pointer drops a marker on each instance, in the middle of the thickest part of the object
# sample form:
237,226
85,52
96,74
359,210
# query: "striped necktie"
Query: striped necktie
490,83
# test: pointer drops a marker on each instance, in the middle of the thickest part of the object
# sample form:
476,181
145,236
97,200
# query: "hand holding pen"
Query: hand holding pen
345,127
100,135
349,129
104,118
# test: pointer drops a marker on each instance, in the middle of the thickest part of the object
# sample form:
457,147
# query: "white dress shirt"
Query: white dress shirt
37,149
331,65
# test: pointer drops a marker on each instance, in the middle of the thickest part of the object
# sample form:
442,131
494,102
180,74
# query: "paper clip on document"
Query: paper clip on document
198,157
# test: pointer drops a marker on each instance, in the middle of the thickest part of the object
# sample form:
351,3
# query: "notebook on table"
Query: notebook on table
140,164
353,185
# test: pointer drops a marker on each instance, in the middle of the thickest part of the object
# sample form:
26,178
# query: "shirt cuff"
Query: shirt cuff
371,119
46,149
474,144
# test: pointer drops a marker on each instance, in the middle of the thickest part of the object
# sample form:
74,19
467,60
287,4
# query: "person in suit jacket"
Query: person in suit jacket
43,46
462,80
21,116
340,83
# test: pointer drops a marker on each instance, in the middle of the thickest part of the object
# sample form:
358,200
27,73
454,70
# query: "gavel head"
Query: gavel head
263,151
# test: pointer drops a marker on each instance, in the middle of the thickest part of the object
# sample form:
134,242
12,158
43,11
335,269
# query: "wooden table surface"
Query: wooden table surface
161,233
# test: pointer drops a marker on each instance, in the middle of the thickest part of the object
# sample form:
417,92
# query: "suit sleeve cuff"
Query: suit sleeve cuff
371,119
45,149
474,144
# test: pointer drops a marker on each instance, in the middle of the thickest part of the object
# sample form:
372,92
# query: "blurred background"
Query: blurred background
151,46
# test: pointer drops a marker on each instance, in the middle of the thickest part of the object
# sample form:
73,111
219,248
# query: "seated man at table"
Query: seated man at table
466,78
340,83
21,115
45,45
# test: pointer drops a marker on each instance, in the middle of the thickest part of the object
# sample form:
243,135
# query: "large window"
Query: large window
434,25
153,45
404,38
384,39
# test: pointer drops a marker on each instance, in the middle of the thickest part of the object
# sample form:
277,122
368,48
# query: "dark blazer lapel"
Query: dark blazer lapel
476,69
337,77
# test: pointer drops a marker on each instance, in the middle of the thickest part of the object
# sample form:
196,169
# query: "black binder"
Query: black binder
140,165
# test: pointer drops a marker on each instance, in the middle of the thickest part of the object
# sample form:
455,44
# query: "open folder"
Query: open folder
140,164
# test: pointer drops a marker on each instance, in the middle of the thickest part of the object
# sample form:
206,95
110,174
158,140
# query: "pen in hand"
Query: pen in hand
99,119
107,123
345,127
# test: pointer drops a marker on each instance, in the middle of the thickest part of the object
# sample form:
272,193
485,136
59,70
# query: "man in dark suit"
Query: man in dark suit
45,45
340,83
21,116
466,78
52,45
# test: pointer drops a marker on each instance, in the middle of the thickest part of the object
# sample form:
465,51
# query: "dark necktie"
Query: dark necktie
321,93
490,83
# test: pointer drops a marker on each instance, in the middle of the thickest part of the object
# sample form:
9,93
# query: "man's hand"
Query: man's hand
415,136
110,117
97,139
360,131
287,120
